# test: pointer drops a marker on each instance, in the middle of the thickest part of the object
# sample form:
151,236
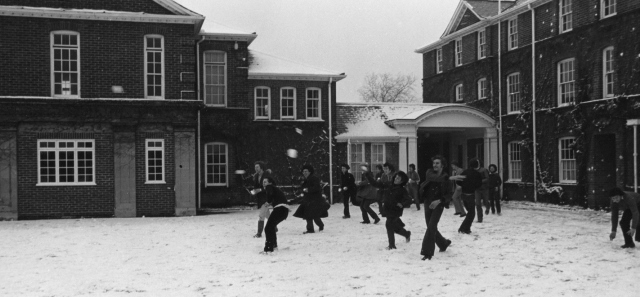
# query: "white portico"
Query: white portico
455,125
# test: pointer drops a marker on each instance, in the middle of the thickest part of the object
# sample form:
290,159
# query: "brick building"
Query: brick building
141,108
560,80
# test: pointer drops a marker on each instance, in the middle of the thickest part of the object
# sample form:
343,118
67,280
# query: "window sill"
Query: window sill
64,184
565,183
292,120
514,112
513,181
566,104
608,16
215,185
566,31
155,183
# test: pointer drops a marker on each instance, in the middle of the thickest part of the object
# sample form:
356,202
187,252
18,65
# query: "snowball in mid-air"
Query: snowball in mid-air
292,153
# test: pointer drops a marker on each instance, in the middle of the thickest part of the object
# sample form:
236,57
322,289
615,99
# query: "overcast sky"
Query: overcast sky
352,36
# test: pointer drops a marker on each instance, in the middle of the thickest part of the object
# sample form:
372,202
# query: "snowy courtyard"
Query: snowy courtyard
531,250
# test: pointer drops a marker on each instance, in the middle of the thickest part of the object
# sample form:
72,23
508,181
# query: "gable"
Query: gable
467,19
146,6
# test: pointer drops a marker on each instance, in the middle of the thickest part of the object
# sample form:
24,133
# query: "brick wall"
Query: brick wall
111,53
155,199
237,71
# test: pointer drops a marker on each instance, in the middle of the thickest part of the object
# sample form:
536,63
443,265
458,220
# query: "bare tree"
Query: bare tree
386,87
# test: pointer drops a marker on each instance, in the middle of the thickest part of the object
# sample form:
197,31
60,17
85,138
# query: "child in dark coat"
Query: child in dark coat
393,204
494,188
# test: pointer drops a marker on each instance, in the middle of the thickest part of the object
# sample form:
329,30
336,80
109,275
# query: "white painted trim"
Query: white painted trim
509,153
255,103
604,71
484,33
306,103
75,151
439,60
457,51
52,62
560,178
207,146
226,76
602,15
295,99
163,65
510,108
248,38
384,152
510,38
478,86
146,158
560,21
559,83
295,76
459,93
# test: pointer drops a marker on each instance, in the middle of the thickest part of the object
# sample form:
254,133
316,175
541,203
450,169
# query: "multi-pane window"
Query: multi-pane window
66,162
513,92
377,154
458,49
263,98
288,103
216,158
566,82
607,72
482,88
439,60
154,66
567,160
155,160
356,158
566,15
515,161
513,33
215,78
459,95
313,103
482,44
65,68
608,8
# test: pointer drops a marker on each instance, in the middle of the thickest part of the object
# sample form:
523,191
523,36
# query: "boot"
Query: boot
260,228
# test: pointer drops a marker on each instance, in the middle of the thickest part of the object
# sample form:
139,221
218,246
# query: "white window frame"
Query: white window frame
55,47
512,25
355,164
57,149
567,166
208,150
282,98
458,51
609,6
266,109
482,88
513,93
459,93
515,164
566,78
607,72
147,149
439,60
307,100
146,65
482,44
566,16
204,80
384,154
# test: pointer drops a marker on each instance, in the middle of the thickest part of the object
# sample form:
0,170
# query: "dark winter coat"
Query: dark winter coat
396,193
494,180
471,182
348,181
313,205
436,187
275,196
365,190
630,201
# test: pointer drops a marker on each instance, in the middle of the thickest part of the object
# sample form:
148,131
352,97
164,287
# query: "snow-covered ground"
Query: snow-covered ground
531,250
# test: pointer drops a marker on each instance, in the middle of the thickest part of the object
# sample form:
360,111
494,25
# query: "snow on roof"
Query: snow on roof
80,10
367,120
212,27
264,66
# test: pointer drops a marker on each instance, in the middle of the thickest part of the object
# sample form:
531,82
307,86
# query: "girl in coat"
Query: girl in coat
494,189
394,202
436,190
368,194
313,206
278,201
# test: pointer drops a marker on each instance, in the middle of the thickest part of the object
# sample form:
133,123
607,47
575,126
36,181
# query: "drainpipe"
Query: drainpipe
533,102
330,146
500,162
635,158
198,140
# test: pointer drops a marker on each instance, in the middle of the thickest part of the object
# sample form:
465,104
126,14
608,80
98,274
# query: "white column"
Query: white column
413,151
490,146
635,123
402,154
